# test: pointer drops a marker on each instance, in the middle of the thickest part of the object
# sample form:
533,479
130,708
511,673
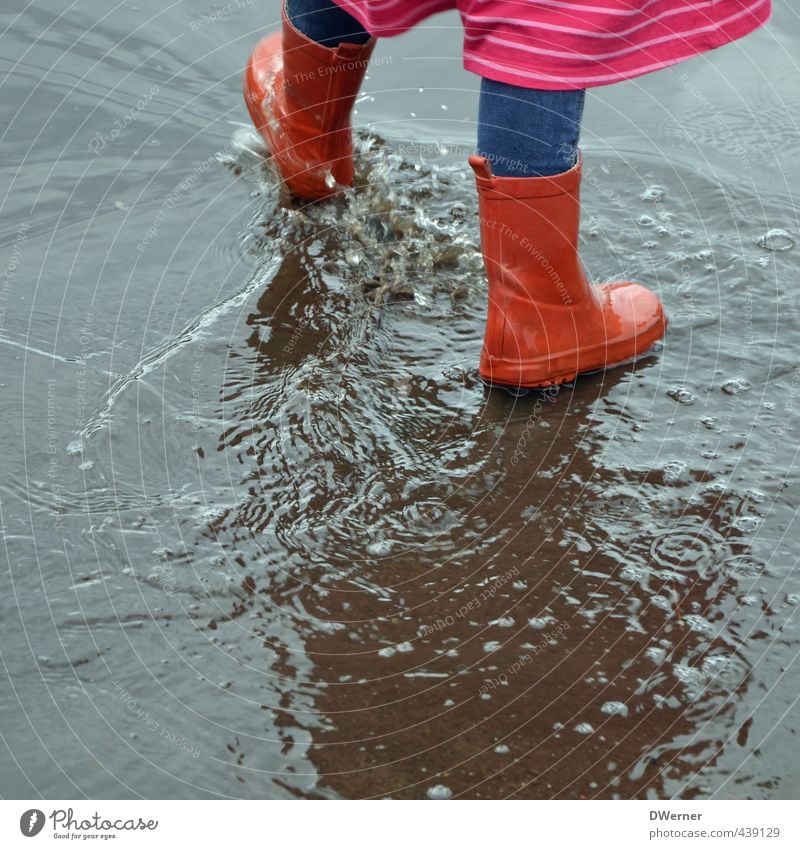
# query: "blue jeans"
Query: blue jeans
324,22
529,132
523,132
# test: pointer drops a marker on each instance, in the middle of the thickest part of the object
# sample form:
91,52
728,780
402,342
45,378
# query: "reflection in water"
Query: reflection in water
498,596
267,535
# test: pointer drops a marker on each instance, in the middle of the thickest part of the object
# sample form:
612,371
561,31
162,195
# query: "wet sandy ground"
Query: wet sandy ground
266,533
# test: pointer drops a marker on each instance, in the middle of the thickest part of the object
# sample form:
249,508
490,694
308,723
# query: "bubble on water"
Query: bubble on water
584,728
501,749
75,447
646,221
539,623
654,192
776,239
503,622
746,524
674,470
614,709
352,258
439,791
735,386
681,394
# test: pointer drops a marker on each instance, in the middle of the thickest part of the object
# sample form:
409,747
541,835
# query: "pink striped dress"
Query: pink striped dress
562,44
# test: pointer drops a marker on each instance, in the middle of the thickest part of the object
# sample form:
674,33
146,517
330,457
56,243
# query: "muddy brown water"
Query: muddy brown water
264,532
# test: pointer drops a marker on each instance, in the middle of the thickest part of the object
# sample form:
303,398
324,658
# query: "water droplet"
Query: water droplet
503,622
776,239
390,651
75,447
681,395
654,193
674,470
698,624
439,791
584,728
614,709
501,749
735,386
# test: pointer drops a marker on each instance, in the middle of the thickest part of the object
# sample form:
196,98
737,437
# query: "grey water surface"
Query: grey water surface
264,532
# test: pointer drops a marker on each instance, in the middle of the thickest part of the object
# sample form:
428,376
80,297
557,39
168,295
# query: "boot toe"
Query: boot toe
640,314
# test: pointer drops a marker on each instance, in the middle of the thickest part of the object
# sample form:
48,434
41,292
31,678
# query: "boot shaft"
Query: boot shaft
529,234
320,84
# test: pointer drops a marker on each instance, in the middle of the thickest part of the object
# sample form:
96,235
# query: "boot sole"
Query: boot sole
644,342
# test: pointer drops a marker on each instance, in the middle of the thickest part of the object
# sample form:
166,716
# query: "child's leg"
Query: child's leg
527,132
325,22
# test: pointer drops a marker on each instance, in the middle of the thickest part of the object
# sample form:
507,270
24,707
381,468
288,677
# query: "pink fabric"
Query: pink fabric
562,44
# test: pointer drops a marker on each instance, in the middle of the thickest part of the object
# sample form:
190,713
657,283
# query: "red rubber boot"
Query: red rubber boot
300,95
546,324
